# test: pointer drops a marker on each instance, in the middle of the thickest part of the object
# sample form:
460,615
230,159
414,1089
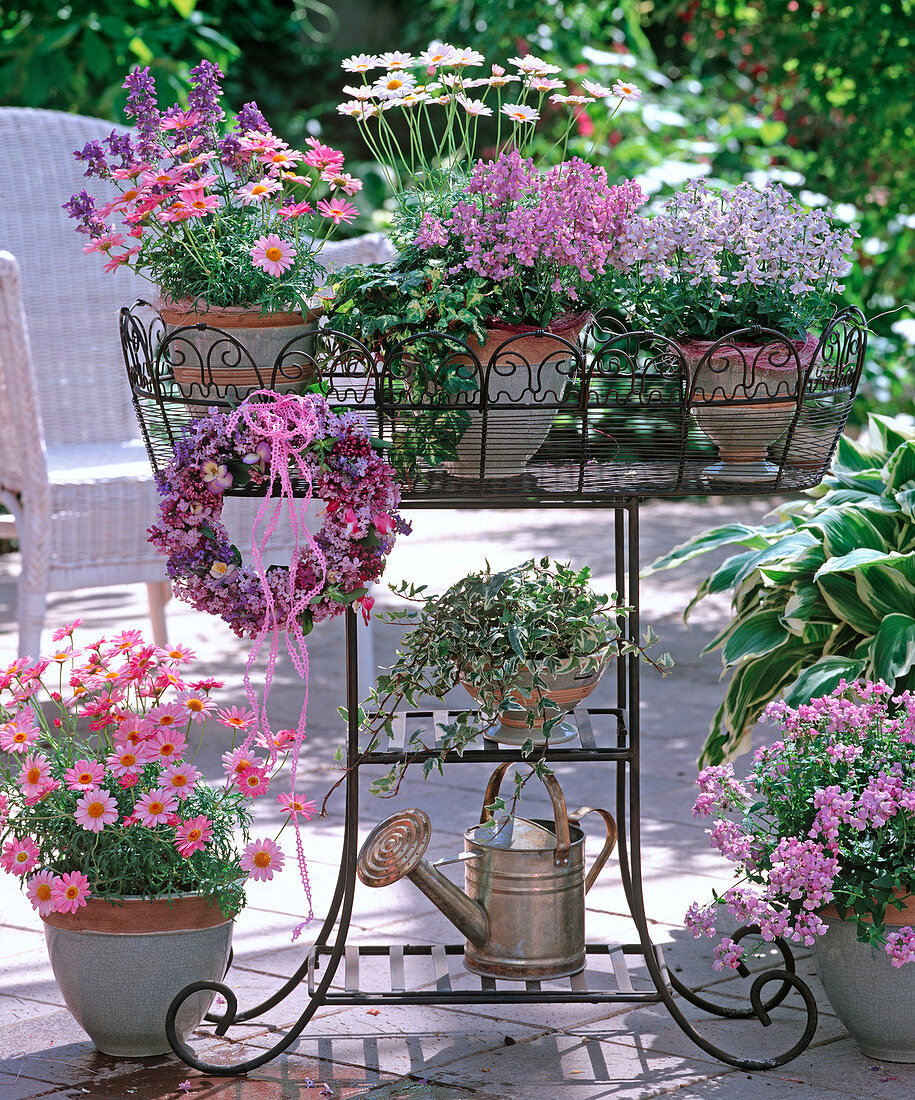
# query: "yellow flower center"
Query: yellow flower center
195,704
84,777
128,760
393,84
166,749
258,189
155,808
22,857
166,719
33,775
19,736
262,859
179,780
95,809
195,834
72,892
43,892
274,254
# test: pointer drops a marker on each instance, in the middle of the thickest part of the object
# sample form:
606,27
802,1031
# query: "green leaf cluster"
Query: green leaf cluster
500,634
824,591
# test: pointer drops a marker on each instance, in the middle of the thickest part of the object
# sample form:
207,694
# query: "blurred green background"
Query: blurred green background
816,95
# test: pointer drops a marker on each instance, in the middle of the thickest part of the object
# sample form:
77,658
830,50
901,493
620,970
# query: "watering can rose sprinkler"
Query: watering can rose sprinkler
523,912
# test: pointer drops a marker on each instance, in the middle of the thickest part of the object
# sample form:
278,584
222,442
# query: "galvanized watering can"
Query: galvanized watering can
523,912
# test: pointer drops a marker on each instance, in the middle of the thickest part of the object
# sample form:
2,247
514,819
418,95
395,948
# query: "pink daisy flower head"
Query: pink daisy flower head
34,775
65,631
40,892
196,704
70,892
261,858
19,734
4,808
95,810
273,254
258,190
338,210
295,209
192,835
322,156
280,740
126,759
168,744
154,807
180,780
624,90
179,653
254,782
84,775
295,806
167,715
19,856
234,718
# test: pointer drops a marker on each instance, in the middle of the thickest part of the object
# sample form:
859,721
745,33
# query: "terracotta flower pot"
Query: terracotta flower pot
563,692
871,997
238,350
744,397
119,965
524,382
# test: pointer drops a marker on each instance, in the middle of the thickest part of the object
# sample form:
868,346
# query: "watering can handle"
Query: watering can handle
597,865
560,814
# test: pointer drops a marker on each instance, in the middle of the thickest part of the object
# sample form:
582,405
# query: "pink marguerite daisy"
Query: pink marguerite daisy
196,703
95,810
339,210
273,254
322,157
180,780
295,806
254,782
261,858
282,739
192,835
34,775
258,190
105,242
4,808
40,891
517,112
624,90
65,631
234,718
19,856
295,209
19,734
168,744
342,181
155,806
179,653
70,892
84,775
167,715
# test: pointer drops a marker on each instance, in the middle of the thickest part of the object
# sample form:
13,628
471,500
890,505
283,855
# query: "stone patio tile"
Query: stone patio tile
579,1068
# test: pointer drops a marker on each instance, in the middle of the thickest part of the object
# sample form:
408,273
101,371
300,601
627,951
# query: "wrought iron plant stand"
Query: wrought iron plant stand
629,418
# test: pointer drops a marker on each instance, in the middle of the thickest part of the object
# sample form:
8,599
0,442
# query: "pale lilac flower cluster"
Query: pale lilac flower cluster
232,450
826,816
525,230
714,260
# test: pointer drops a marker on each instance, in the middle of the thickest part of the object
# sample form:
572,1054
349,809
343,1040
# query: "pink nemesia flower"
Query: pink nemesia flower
192,835
84,775
95,810
154,806
34,774
261,858
293,805
70,892
235,718
19,856
40,891
180,780
273,254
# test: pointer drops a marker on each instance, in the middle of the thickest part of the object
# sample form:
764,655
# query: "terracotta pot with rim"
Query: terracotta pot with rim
239,349
526,382
744,397
871,997
120,964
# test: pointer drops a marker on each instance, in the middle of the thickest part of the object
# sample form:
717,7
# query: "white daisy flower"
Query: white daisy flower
396,60
517,112
395,85
624,90
595,89
533,66
363,91
463,57
359,63
474,106
436,55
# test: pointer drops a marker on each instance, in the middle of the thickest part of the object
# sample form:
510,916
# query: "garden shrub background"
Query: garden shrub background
815,94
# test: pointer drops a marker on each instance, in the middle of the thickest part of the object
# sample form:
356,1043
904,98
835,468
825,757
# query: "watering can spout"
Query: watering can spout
394,850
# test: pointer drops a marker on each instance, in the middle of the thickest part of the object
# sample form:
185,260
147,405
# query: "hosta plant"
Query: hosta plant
500,632
822,592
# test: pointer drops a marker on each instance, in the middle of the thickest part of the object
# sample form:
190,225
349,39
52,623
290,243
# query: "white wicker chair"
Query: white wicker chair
73,470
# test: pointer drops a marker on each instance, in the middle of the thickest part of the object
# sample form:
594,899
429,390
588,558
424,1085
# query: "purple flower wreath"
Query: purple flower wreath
256,445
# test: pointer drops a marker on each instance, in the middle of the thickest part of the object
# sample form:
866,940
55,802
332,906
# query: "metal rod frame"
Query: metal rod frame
329,946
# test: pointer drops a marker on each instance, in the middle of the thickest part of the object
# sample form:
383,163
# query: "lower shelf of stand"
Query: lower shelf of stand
434,974
603,740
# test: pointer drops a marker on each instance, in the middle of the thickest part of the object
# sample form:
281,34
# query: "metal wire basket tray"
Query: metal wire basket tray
614,413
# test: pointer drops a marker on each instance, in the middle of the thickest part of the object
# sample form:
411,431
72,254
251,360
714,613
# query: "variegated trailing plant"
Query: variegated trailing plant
822,592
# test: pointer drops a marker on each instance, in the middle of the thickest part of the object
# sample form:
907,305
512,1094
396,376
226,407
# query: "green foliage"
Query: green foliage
501,634
824,592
